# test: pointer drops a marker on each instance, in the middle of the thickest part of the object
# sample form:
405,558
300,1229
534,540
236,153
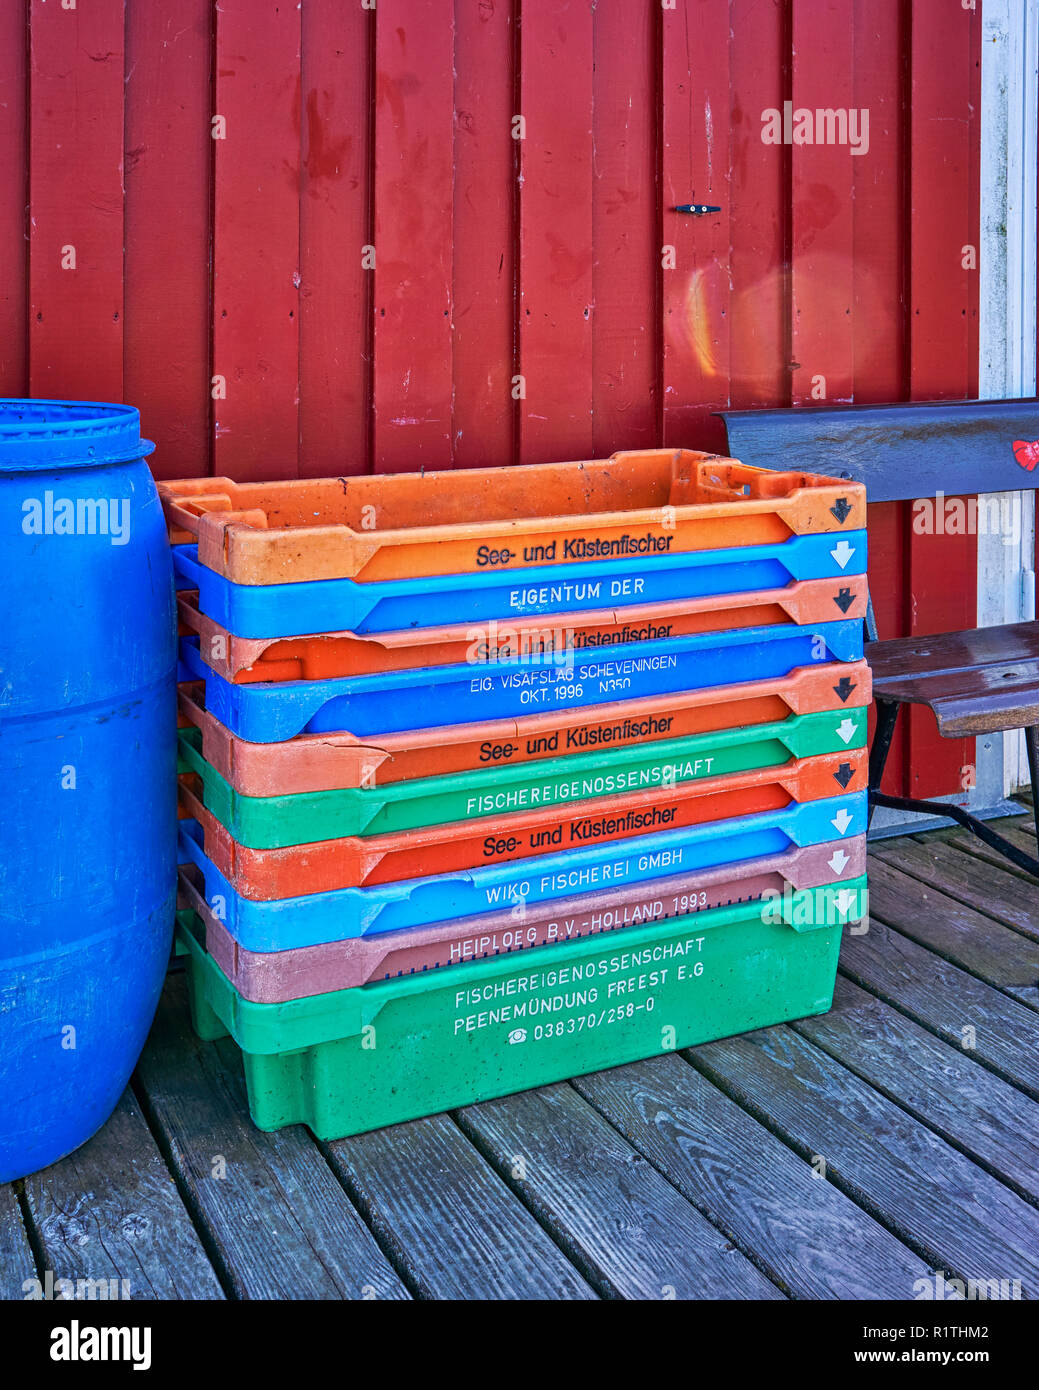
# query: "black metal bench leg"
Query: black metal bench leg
946,810
1032,747
887,718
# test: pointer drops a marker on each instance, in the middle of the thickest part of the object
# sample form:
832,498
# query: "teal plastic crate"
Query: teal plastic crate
357,1059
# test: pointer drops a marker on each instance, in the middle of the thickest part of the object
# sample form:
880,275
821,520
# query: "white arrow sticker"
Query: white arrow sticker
842,820
839,861
843,553
846,730
845,899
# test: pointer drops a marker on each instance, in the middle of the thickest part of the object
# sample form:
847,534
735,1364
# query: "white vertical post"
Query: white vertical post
1007,331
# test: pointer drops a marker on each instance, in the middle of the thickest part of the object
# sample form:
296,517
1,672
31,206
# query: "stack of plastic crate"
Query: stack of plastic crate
490,778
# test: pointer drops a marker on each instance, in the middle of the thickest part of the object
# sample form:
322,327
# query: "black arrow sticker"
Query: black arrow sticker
844,774
844,599
841,509
843,689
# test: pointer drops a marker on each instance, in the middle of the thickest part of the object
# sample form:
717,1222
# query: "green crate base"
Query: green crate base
274,822
346,1062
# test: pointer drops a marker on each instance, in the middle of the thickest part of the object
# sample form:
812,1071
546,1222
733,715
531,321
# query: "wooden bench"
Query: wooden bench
981,680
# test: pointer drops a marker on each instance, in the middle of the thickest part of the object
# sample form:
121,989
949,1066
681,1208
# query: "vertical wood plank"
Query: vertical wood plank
759,310
414,120
335,226
256,239
696,157
822,213
943,128
879,271
944,119
76,192
879,261
625,235
556,301
973,208
14,198
484,217
167,223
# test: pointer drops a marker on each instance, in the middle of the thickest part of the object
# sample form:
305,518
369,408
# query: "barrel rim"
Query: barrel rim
68,434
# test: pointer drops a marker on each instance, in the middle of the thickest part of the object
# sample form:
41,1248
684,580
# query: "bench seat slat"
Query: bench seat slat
981,680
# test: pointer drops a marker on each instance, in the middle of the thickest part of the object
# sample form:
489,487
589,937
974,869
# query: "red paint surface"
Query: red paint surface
243,257
759,348
414,121
555,227
486,160
76,200
696,168
256,239
14,198
625,233
335,221
166,273
824,210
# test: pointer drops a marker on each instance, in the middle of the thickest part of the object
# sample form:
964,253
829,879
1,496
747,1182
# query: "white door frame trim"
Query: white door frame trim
1007,328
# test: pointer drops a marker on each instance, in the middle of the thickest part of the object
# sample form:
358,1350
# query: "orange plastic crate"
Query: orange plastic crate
398,525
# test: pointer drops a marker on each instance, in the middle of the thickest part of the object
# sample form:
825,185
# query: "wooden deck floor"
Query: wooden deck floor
846,1156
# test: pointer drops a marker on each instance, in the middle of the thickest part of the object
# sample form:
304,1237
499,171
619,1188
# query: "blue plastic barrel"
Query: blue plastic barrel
87,769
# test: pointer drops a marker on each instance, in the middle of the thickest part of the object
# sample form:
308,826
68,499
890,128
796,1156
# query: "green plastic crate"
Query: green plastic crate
274,822
357,1059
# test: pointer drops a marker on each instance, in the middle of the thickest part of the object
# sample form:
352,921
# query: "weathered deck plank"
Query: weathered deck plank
16,1260
626,1228
809,1236
452,1223
956,1216
947,1000
278,1223
111,1211
994,953
941,1084
1018,834
956,874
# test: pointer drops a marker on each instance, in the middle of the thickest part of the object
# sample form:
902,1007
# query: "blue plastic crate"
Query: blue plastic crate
314,918
435,695
345,605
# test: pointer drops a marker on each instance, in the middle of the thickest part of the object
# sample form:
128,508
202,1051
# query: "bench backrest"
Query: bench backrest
898,451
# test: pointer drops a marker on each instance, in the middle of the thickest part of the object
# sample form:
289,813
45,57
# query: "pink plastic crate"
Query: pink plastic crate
273,977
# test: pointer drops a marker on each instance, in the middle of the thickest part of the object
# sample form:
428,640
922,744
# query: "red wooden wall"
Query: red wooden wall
365,269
